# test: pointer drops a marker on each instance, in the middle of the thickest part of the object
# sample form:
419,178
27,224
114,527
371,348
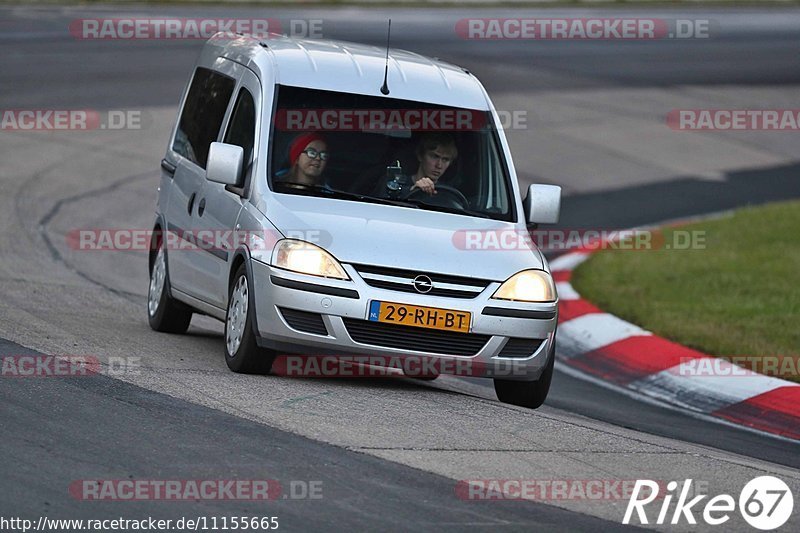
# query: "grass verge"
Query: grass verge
738,295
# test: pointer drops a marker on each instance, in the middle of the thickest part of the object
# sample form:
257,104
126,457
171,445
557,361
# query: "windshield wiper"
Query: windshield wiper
447,209
344,195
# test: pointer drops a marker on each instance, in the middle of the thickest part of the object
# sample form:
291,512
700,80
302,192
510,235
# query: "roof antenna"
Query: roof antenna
385,87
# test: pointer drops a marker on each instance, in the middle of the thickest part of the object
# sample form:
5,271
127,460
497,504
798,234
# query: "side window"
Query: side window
202,115
242,129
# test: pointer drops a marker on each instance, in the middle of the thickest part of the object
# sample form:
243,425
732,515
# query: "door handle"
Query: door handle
191,203
168,167
201,207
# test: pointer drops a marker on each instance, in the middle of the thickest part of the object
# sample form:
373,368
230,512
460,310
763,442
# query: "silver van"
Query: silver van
332,199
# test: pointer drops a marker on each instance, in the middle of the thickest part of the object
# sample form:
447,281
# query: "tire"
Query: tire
242,353
530,394
164,313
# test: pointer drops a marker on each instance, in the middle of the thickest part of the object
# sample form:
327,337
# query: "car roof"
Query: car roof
354,68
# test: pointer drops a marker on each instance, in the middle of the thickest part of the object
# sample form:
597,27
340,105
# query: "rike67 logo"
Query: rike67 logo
765,503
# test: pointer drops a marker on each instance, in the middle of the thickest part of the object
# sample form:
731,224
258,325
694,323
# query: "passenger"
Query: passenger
308,156
435,153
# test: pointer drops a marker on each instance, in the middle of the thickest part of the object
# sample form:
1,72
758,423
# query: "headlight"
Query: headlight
306,258
528,286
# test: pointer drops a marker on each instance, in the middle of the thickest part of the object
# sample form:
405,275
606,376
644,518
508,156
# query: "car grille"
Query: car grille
304,321
413,338
403,281
518,347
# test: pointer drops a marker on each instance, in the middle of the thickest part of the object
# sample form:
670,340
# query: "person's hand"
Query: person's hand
426,184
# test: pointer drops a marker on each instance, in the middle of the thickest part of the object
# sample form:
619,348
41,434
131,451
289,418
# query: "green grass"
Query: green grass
740,295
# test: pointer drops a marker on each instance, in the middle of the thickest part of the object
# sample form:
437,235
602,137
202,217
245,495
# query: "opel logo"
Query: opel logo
423,283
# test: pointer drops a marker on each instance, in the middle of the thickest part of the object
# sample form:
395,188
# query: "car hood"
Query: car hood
405,238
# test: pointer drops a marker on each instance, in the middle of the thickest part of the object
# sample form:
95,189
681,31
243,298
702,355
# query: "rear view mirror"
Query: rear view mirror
225,164
543,204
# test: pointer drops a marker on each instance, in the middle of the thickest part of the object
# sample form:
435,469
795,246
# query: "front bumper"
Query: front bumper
344,301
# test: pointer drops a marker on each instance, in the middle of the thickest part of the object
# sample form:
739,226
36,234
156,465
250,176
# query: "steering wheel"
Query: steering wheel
452,197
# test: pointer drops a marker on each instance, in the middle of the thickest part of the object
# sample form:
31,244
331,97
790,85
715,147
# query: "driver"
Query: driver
435,153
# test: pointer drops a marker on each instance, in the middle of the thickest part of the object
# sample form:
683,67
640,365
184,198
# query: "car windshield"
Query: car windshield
383,150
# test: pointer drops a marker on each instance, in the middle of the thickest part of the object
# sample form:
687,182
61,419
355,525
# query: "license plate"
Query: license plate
419,316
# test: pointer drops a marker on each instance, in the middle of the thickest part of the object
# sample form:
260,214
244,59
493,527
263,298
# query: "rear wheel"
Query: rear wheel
164,313
242,353
531,394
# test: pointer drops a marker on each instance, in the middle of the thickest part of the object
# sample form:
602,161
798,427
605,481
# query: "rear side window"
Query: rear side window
202,115
242,129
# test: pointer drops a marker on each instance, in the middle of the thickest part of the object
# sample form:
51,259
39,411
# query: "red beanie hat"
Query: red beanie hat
300,143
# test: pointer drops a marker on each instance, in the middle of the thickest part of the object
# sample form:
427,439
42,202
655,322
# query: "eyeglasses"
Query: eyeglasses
312,154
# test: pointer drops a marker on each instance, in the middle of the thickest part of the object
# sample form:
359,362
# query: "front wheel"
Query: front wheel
242,353
531,394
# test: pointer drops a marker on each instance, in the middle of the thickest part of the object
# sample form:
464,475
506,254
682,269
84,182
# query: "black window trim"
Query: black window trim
244,190
513,215
512,201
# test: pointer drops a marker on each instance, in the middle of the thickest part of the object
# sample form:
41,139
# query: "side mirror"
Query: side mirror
543,204
225,164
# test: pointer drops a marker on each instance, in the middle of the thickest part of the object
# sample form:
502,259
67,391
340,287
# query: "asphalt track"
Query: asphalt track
387,453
